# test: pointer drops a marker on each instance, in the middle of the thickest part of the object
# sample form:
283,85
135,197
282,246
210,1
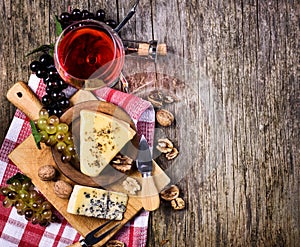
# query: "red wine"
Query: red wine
89,52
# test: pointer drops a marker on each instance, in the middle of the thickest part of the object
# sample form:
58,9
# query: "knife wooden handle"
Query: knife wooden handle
77,244
21,96
150,198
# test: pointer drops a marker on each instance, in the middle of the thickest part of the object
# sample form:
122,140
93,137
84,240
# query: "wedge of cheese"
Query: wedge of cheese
97,203
101,138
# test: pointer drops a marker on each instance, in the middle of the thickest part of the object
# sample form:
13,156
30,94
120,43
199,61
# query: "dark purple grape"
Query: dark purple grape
100,15
53,86
46,60
64,103
46,100
48,90
76,14
34,66
55,219
53,74
57,95
44,223
65,17
57,112
47,80
41,73
85,14
111,23
61,83
28,214
12,195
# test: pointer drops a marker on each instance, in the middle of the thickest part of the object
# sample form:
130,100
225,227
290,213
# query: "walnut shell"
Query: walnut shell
178,203
62,189
170,193
115,243
47,172
164,117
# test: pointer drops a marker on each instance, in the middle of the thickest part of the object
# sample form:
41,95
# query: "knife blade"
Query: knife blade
149,194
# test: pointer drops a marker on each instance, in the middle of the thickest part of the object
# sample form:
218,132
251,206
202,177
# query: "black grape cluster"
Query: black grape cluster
20,193
67,19
55,100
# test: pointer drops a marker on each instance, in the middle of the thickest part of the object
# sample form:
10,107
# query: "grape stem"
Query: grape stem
127,18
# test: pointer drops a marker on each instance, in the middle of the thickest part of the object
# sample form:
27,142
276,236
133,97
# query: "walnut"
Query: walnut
122,163
164,145
173,154
62,189
164,117
47,172
170,193
131,185
115,243
178,203
156,98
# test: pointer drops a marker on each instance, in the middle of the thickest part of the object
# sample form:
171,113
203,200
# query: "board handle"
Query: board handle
21,96
150,198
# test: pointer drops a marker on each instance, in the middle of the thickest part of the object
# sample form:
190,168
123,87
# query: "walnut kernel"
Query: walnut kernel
178,203
62,189
131,185
164,117
164,145
173,154
47,172
170,193
122,163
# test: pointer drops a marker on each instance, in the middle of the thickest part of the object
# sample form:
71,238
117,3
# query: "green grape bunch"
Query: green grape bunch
56,134
20,193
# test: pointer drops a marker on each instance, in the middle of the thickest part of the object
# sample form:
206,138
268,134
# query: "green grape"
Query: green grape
33,195
44,136
66,158
36,218
46,214
46,205
63,127
24,195
39,199
26,185
75,157
59,136
19,204
54,120
51,141
36,206
68,138
61,146
7,203
15,185
50,129
4,190
43,113
71,149
42,123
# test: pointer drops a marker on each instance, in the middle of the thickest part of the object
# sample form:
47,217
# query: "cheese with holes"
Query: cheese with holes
97,203
101,137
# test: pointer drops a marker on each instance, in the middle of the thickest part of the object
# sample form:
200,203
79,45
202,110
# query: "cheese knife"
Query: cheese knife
149,194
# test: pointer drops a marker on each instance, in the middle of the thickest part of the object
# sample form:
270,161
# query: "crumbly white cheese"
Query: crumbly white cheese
97,203
101,138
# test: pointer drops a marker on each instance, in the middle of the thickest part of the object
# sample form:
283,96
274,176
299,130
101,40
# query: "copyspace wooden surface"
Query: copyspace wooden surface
249,52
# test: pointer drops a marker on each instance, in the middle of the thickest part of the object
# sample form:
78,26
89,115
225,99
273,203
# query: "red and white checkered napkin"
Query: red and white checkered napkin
16,231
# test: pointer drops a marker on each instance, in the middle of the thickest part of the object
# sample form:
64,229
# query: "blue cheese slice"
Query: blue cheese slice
101,137
97,203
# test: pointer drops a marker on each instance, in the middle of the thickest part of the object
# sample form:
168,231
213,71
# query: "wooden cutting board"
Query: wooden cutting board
28,159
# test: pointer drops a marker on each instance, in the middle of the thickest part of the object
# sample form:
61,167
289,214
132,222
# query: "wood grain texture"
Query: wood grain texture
247,195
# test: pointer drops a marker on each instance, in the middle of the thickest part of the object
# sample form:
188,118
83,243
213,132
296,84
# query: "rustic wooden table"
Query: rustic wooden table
249,51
